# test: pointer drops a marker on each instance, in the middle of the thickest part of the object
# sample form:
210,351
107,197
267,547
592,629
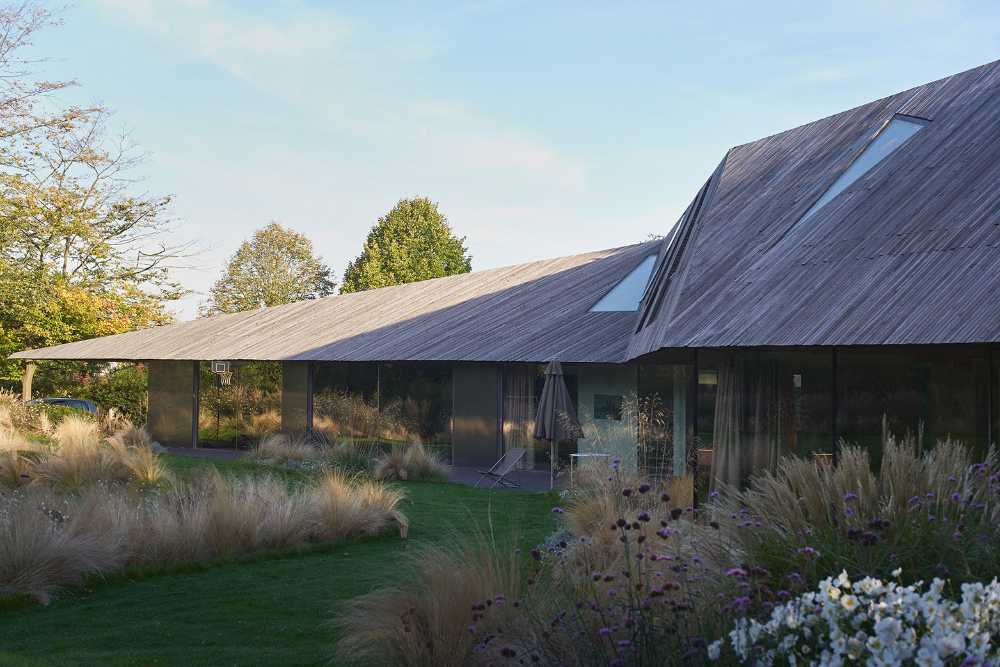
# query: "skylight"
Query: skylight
892,136
626,295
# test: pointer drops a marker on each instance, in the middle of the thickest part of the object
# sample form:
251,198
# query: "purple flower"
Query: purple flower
737,572
644,488
713,495
557,510
627,492
850,496
956,497
643,516
624,643
604,632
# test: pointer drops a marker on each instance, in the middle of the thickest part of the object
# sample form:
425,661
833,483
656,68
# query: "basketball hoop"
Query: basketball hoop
222,369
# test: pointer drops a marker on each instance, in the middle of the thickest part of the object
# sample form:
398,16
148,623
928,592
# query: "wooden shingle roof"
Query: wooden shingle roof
909,253
529,312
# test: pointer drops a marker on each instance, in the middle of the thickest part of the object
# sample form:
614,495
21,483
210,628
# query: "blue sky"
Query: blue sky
542,129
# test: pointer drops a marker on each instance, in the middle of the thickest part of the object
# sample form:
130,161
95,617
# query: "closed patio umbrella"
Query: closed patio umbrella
555,419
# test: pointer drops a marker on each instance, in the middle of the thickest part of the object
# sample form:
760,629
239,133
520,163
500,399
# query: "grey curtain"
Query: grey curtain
749,420
519,410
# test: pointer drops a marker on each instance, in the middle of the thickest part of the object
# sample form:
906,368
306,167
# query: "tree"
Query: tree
81,255
277,265
411,242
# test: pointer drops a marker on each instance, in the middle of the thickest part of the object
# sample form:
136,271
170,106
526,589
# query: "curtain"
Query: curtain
749,421
728,425
519,403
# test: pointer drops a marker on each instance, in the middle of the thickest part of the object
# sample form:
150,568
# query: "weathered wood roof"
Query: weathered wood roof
909,253
530,312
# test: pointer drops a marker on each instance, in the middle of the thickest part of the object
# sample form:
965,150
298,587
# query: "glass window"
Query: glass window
626,295
891,137
755,407
943,391
346,400
239,406
416,405
666,419
522,388
608,406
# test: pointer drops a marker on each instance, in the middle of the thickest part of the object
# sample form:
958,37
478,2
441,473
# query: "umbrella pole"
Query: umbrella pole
552,464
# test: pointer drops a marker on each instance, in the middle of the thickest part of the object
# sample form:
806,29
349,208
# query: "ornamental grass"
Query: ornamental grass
53,539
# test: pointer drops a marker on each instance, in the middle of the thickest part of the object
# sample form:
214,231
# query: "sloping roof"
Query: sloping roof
530,312
907,254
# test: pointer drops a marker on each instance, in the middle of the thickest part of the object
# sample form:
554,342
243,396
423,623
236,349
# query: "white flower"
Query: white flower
849,602
898,571
833,592
715,650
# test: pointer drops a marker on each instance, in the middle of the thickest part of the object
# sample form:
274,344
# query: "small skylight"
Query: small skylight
892,136
626,295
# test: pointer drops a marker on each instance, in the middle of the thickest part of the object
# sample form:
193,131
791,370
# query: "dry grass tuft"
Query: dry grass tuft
413,462
41,550
105,528
347,506
423,620
282,448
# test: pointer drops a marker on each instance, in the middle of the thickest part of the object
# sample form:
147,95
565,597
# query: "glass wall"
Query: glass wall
415,405
665,411
944,391
346,400
521,389
238,407
398,403
756,406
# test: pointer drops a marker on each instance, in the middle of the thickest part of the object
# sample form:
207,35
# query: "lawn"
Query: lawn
270,609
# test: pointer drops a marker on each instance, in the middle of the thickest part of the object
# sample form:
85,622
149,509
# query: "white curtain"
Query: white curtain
519,411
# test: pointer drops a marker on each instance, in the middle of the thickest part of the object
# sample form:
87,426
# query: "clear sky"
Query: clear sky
541,128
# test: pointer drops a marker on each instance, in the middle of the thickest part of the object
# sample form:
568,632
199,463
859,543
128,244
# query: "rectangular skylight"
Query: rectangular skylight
626,295
892,136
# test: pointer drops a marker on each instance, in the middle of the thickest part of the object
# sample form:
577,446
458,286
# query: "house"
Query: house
822,279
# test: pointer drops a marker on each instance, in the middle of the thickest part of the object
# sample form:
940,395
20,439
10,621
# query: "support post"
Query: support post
26,379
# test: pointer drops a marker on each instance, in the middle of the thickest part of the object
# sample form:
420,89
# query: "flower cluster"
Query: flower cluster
876,623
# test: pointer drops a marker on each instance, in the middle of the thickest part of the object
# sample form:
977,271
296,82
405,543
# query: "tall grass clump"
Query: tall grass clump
933,513
423,620
410,462
52,539
283,448
41,548
80,456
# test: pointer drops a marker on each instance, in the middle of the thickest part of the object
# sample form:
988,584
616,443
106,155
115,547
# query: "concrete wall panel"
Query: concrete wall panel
295,416
173,393
476,417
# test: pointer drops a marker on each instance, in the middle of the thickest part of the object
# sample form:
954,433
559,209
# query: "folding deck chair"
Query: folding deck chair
503,467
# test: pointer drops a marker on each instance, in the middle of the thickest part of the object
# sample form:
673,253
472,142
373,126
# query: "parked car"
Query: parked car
72,403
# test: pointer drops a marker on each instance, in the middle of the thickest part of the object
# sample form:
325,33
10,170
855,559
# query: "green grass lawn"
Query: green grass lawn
271,609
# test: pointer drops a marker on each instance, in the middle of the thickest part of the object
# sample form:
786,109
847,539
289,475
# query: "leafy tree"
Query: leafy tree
277,265
80,255
411,242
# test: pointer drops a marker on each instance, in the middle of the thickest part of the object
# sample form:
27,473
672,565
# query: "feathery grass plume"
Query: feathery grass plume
933,513
17,415
412,462
41,551
353,456
261,425
423,620
52,540
348,506
114,421
282,448
80,457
